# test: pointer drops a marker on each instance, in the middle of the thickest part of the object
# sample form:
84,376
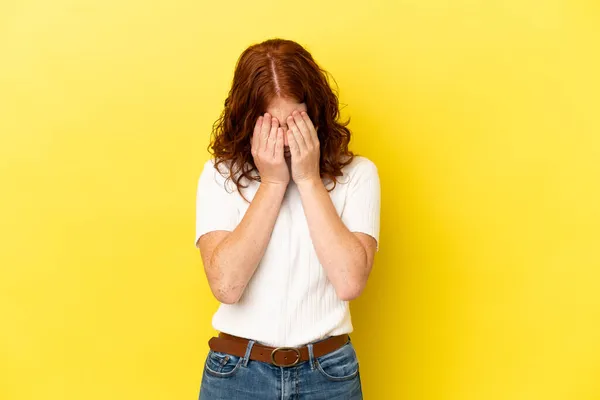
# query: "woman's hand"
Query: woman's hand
267,151
304,147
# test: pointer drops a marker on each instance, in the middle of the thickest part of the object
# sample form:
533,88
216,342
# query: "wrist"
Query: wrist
309,183
273,185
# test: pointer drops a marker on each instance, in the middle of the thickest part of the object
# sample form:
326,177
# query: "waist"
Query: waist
278,356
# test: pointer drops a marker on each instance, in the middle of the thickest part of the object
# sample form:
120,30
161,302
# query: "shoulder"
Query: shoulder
361,167
216,175
223,168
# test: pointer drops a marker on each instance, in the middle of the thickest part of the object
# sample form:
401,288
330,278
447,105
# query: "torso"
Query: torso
289,301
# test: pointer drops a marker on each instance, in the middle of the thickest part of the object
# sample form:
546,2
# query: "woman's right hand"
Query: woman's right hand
267,151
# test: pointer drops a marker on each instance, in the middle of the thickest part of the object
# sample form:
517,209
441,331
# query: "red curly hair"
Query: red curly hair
285,69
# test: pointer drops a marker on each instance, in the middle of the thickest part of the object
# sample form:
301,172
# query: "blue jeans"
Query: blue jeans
333,376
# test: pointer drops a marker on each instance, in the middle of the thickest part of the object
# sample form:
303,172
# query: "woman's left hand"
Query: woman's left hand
304,148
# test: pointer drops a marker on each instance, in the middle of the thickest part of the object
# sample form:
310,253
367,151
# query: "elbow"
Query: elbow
224,286
226,296
355,280
226,292
350,291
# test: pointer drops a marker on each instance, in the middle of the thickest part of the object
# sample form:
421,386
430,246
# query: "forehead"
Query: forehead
281,108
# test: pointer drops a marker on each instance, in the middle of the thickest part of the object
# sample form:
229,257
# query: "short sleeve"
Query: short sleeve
215,203
361,211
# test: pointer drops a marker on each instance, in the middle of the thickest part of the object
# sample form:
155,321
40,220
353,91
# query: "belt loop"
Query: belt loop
311,356
248,350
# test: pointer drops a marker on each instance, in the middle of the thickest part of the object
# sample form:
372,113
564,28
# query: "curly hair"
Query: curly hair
282,68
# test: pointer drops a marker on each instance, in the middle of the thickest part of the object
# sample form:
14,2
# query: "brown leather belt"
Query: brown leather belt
279,356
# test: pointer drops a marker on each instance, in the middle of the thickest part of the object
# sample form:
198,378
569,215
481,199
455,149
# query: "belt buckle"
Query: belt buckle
285,349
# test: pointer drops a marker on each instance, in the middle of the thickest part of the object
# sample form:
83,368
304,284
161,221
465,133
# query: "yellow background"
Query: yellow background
482,117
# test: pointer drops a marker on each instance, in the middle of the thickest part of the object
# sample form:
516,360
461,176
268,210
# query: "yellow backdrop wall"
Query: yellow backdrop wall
482,117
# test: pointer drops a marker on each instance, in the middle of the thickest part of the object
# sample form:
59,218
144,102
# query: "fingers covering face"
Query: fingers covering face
279,144
264,132
301,134
266,136
303,127
272,137
255,144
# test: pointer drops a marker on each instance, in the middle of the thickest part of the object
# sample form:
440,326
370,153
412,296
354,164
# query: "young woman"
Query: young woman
287,227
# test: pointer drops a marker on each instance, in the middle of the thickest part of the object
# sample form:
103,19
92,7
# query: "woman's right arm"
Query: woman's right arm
230,258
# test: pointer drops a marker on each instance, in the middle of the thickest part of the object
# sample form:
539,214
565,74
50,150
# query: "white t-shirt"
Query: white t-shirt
289,301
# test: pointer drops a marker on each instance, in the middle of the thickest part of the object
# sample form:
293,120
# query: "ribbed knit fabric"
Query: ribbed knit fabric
289,301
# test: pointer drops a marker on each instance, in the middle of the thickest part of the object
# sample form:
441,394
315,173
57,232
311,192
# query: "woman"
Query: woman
287,227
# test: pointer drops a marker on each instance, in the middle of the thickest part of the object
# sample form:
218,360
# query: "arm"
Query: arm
231,253
347,257
345,254
230,258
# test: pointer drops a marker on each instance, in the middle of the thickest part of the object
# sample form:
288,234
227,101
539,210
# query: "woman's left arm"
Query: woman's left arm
346,256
